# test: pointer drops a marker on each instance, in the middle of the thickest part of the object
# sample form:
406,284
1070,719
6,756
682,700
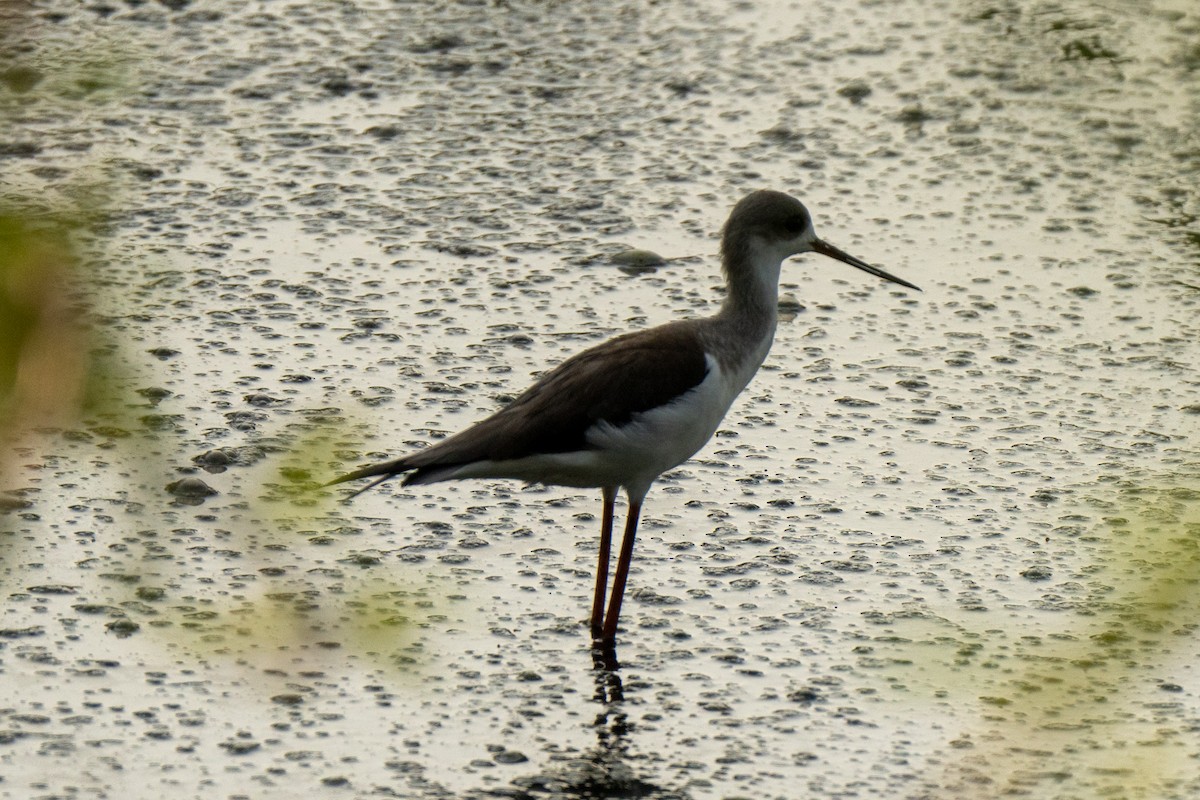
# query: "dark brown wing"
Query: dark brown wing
610,382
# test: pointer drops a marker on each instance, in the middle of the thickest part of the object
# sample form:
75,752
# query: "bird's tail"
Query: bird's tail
386,470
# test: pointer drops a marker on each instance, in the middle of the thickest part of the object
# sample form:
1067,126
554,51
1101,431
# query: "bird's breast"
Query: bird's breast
656,440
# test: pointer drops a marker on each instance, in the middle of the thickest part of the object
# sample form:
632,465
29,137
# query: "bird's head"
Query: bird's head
765,227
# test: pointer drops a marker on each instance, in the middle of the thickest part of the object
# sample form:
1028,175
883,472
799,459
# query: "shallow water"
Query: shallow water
945,543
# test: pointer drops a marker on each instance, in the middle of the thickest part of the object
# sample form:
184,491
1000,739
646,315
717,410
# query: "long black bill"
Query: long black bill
826,249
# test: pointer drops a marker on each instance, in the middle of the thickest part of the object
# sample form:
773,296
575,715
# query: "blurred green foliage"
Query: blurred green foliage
41,348
1066,699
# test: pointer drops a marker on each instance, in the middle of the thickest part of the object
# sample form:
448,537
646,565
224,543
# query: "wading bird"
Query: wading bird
618,415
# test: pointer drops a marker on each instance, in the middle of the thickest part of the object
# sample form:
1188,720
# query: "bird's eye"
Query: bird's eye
795,224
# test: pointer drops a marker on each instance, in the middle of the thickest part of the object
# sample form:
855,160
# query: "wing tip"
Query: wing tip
385,471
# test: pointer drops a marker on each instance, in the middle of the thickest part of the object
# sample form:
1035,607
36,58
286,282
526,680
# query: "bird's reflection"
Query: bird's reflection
607,769
612,723
604,659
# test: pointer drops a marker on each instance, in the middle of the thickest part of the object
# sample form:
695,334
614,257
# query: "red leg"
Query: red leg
606,525
609,636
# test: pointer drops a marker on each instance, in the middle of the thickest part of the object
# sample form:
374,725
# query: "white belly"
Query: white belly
636,453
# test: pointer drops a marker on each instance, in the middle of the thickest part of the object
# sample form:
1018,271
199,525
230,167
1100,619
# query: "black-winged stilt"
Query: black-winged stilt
619,414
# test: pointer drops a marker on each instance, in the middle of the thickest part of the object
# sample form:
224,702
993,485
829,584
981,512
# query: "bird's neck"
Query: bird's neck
752,289
748,316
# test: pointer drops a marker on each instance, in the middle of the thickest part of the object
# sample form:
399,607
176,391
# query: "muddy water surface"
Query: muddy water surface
944,545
